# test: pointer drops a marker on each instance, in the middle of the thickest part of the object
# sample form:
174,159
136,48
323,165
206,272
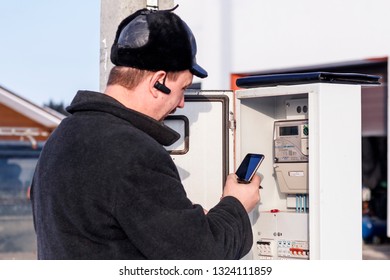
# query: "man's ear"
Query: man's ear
156,84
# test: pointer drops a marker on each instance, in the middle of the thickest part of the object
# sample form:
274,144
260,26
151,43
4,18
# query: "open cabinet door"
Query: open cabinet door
204,152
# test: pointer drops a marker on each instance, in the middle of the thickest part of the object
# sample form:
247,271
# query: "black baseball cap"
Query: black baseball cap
156,40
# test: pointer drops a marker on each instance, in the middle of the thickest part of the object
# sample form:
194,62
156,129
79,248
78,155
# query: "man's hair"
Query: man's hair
129,77
126,76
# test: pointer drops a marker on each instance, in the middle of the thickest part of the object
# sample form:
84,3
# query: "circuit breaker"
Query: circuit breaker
275,238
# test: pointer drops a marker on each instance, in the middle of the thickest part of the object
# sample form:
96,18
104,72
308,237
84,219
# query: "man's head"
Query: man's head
154,53
156,40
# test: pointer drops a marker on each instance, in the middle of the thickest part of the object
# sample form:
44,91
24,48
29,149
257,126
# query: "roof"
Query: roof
44,116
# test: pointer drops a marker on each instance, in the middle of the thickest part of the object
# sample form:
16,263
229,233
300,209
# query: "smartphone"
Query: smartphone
248,167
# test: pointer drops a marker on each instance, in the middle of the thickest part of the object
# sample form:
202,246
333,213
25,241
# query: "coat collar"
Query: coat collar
96,101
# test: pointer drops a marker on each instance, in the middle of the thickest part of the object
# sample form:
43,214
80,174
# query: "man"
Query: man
105,188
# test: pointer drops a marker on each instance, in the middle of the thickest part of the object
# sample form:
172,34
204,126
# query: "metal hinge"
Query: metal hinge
232,122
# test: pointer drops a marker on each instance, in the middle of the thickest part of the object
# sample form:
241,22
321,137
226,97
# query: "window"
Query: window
17,165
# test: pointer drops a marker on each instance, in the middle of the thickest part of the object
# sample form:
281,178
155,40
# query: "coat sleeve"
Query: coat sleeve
158,218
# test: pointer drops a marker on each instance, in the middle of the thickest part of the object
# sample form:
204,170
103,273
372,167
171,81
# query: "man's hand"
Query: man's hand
247,194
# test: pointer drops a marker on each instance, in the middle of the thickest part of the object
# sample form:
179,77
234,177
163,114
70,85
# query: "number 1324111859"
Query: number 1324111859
257,270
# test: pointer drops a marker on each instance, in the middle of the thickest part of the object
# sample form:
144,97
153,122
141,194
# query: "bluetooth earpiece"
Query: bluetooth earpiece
161,87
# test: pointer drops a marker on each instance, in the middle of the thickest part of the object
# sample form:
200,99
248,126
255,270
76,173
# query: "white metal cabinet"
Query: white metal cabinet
222,129
334,114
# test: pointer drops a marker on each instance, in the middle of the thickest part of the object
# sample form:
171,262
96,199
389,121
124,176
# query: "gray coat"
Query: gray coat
105,188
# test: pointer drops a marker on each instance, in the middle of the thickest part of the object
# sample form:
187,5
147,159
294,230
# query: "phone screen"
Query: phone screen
248,167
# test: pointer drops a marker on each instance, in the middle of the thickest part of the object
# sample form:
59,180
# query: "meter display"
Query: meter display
291,141
291,154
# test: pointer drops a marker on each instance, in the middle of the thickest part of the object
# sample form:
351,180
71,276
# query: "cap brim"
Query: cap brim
198,71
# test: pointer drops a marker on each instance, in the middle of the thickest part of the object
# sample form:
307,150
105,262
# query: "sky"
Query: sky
49,49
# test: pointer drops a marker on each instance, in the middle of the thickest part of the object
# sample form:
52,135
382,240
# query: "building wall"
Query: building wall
9,118
255,35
